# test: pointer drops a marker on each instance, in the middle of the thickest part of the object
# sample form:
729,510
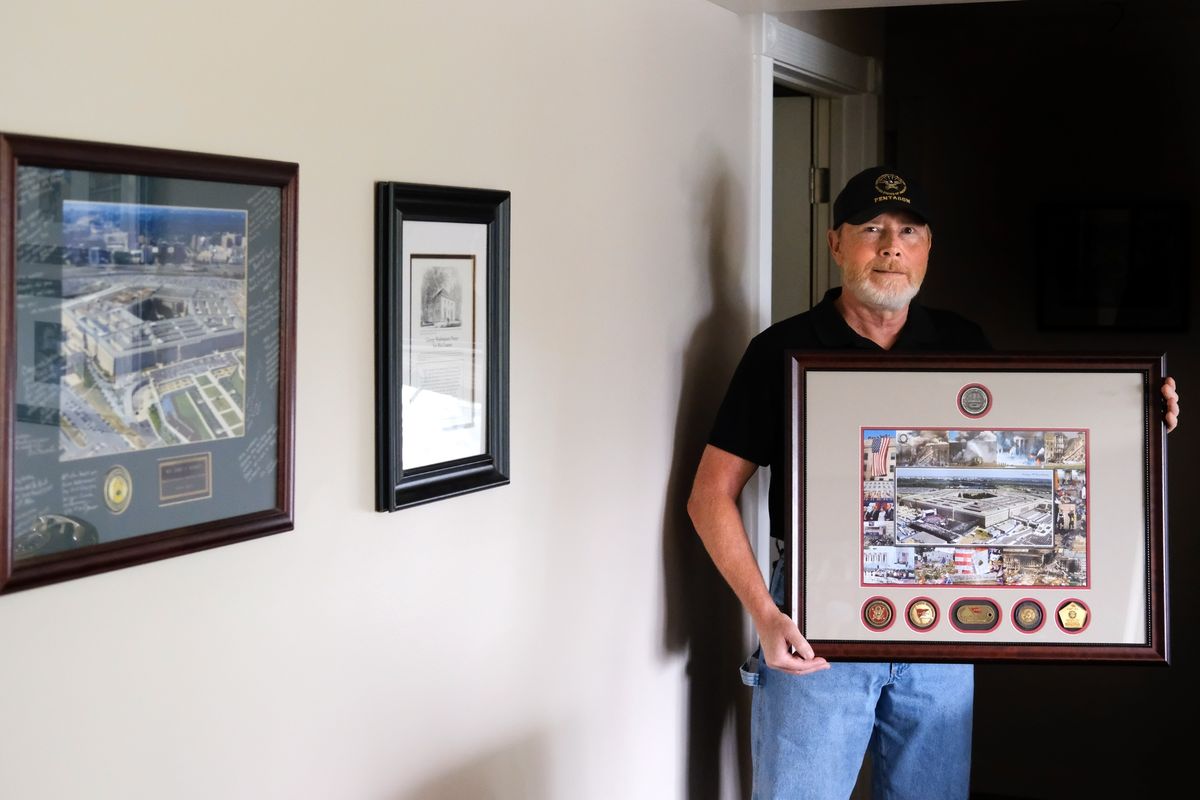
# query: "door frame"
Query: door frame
847,89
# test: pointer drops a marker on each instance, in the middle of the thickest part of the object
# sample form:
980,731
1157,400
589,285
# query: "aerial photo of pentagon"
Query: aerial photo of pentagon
975,507
153,327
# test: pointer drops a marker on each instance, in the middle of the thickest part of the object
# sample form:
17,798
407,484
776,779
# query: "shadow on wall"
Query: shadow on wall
703,616
515,772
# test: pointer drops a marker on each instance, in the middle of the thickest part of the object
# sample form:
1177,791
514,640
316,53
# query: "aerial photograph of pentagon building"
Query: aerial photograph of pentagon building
993,507
153,327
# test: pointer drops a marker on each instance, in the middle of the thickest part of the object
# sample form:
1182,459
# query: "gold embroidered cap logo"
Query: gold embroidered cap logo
891,183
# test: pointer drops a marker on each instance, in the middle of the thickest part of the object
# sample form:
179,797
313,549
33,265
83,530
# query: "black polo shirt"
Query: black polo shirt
751,423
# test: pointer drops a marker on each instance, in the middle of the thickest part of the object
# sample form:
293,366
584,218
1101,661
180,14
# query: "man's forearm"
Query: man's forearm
719,524
714,512
712,506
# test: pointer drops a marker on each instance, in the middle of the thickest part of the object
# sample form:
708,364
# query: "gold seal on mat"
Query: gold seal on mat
1027,615
878,614
1072,615
118,489
922,614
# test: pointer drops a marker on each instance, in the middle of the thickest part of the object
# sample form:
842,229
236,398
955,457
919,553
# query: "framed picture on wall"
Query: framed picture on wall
441,314
992,507
1093,259
148,324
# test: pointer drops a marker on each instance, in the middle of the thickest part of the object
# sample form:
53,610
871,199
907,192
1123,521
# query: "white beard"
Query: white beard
883,299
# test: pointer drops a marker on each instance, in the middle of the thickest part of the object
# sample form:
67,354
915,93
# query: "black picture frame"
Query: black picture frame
483,216
969,457
76,497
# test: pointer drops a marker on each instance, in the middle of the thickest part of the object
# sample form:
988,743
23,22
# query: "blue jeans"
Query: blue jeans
809,733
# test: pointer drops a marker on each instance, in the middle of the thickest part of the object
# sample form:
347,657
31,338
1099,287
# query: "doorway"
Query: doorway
828,135
801,144
817,110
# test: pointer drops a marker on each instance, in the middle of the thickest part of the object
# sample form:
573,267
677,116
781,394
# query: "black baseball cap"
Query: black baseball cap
875,190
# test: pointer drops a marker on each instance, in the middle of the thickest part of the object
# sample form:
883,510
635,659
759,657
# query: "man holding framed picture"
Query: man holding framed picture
812,720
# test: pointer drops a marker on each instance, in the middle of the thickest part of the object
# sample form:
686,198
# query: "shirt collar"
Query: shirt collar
834,333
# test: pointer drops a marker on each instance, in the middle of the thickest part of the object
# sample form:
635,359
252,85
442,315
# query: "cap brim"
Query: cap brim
871,212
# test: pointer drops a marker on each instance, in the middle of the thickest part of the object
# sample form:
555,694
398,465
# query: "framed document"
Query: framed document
441,314
148,325
978,508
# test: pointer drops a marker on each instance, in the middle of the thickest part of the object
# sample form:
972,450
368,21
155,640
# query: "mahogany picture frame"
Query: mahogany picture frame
154,414
978,508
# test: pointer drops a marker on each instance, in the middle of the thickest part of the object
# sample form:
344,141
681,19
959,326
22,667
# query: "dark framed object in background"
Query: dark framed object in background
148,327
1115,266
441,348
978,508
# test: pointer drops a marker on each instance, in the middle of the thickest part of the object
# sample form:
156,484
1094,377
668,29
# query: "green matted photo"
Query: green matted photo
148,334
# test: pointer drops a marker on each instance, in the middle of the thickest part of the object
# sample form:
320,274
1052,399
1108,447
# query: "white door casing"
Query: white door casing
846,91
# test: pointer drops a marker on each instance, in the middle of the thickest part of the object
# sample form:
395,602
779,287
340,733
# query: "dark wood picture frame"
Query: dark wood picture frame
397,204
816,381
135,168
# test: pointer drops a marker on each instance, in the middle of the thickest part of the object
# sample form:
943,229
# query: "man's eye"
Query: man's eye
909,230
871,229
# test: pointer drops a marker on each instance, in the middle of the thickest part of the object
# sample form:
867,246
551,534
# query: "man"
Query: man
813,721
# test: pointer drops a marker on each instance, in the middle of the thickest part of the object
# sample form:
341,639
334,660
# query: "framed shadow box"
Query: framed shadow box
148,323
987,507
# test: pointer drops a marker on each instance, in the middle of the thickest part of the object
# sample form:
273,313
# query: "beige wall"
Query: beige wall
514,643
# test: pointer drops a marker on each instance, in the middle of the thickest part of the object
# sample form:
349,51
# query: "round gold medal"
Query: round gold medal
118,489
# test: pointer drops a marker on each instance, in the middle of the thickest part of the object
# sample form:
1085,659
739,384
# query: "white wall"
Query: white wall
507,644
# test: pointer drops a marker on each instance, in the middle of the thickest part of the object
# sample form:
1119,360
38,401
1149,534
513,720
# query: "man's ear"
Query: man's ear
835,244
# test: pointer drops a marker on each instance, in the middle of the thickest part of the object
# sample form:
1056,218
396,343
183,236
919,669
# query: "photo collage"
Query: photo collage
974,506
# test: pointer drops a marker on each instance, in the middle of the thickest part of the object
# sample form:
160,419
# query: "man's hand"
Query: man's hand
1171,403
784,648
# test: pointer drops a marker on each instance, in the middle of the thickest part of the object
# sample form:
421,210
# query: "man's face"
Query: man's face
882,260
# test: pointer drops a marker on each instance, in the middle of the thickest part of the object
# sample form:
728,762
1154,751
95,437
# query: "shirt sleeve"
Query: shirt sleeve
746,421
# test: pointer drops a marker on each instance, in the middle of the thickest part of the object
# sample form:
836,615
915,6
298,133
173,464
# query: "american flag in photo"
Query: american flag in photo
972,561
879,458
